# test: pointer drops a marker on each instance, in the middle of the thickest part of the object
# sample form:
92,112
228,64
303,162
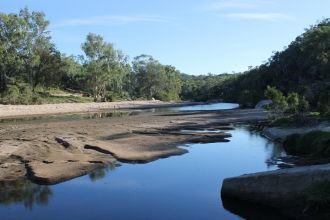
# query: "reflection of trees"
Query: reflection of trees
24,191
108,114
101,173
276,154
248,210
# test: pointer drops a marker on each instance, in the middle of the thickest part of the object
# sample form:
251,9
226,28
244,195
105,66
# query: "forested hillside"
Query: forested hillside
31,66
302,67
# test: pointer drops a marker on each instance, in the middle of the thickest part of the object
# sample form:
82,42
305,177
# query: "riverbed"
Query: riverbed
186,186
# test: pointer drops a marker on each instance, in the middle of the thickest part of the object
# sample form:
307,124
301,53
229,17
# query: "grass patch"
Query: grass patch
316,143
294,121
283,122
23,95
53,99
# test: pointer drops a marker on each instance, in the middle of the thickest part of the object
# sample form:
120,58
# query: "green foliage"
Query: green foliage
19,94
26,94
206,87
279,100
283,121
324,103
105,66
303,106
154,80
53,99
313,143
302,68
11,96
293,101
28,57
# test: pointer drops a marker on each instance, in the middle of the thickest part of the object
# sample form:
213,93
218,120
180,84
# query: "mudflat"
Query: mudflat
50,152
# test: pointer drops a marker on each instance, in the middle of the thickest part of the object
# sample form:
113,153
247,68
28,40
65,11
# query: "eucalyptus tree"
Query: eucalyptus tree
105,66
147,73
26,51
154,80
11,45
37,46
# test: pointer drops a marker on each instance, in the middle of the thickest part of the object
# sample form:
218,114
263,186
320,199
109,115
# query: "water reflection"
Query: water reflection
116,113
100,173
185,187
106,114
251,211
24,192
212,106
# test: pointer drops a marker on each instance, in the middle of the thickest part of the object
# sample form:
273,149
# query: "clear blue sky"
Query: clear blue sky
196,36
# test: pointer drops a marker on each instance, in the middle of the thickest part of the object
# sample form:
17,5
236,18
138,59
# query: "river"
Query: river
178,187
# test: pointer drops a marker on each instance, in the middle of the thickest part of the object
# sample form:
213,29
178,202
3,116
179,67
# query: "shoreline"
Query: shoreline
278,189
41,151
12,111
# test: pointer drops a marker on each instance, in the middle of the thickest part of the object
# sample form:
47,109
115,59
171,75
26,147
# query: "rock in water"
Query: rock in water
296,188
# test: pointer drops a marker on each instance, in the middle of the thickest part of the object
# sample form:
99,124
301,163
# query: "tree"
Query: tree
148,75
104,65
154,80
324,103
303,106
293,102
36,45
73,73
279,101
11,45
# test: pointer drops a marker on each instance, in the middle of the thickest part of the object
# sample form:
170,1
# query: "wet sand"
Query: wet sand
52,152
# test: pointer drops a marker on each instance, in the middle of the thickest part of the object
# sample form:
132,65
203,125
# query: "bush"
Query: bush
283,121
11,96
293,102
315,143
26,94
20,94
324,103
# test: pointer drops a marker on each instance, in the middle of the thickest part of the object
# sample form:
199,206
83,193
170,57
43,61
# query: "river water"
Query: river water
179,187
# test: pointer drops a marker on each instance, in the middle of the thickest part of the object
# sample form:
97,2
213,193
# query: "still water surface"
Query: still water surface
213,106
117,113
179,187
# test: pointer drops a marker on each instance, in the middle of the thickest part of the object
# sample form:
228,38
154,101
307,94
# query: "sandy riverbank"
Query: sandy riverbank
52,152
65,108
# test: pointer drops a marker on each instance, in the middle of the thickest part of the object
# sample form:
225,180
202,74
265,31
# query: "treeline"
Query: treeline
30,64
303,68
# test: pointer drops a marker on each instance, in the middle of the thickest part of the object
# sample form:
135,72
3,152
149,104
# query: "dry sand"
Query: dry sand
26,110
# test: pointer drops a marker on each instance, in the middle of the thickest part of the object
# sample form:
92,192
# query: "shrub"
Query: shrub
12,95
280,104
316,143
26,94
324,103
293,102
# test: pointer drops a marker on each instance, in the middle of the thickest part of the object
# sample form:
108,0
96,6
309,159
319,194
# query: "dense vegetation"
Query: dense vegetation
302,68
316,143
31,67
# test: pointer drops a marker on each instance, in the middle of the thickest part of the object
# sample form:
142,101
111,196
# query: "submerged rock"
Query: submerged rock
300,189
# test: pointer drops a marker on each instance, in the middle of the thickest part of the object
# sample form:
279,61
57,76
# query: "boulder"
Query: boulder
297,188
263,103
